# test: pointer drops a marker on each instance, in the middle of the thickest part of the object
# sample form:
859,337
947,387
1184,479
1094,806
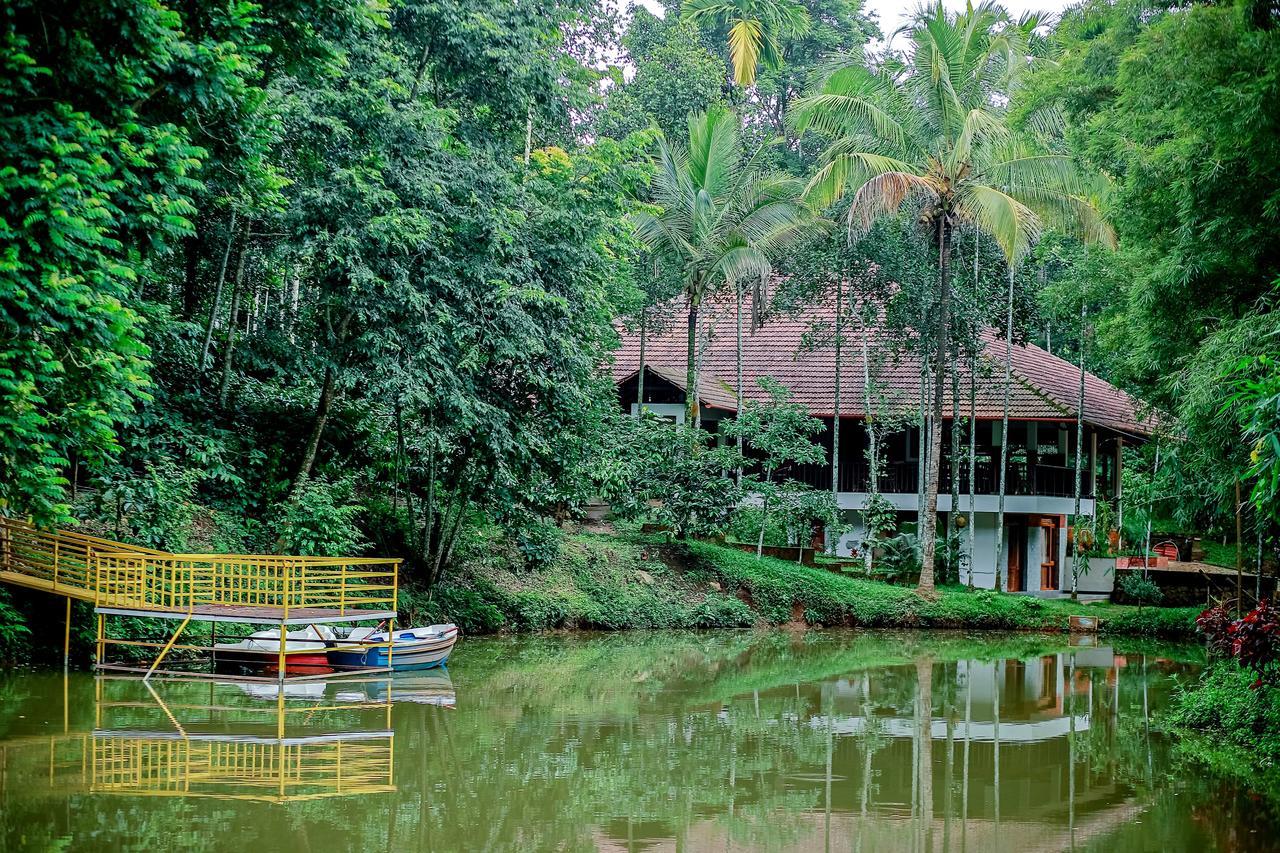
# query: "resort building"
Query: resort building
883,379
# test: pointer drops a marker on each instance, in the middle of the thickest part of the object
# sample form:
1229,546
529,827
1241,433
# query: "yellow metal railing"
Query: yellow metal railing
112,574
254,769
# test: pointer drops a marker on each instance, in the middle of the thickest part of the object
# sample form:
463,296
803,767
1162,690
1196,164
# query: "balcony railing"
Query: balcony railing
1021,478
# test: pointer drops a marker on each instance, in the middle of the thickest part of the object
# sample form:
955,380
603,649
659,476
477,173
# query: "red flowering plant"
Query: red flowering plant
1253,639
1215,624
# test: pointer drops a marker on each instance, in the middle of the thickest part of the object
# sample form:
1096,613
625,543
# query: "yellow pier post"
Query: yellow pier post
66,640
167,646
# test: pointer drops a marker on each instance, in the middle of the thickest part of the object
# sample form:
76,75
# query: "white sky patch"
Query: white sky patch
892,14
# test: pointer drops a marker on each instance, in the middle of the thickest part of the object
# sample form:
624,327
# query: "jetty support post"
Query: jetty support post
66,639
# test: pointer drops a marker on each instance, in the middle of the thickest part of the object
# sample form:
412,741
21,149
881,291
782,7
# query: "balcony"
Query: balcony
1021,478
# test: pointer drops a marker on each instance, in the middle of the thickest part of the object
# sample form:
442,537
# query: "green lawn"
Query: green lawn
634,581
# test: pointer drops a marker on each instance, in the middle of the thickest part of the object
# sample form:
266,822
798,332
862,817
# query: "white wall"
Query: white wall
1098,579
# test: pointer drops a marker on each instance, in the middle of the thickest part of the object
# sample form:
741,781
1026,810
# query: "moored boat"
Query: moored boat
411,648
305,650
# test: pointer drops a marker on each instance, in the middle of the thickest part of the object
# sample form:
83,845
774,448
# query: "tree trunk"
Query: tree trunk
1004,434
429,503
1075,516
419,72
691,368
644,342
973,455
764,515
217,295
922,453
928,540
317,430
191,262
737,292
404,460
224,384
955,469
1239,549
323,405
528,133
973,408
835,412
924,678
873,451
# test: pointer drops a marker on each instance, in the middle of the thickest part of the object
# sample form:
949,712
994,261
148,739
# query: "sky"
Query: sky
892,14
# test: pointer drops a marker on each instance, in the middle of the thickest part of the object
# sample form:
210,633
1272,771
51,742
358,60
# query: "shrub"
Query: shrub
538,541
1140,588
321,521
1252,640
722,611
899,560
745,526
467,608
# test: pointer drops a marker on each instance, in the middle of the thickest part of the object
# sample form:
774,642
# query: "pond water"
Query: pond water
845,741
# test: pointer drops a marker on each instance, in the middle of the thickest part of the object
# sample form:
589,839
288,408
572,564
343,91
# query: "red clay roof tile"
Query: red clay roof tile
1044,386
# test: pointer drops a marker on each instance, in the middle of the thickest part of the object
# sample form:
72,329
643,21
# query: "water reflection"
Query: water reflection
235,741
835,741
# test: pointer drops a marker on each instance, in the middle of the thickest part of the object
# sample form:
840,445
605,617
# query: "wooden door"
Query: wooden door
1017,548
1049,553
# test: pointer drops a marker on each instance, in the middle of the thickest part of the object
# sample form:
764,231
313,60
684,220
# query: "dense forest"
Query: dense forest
338,276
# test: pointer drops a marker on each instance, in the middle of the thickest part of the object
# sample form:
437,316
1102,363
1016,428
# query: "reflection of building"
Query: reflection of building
1039,476
1032,696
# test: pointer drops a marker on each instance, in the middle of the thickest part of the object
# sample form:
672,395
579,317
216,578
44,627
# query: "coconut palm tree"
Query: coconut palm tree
930,130
756,28
718,217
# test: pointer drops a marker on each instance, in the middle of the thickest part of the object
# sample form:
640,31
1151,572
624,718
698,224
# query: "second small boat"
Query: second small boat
411,648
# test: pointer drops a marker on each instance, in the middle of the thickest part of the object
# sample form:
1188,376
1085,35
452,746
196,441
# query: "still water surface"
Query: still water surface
817,741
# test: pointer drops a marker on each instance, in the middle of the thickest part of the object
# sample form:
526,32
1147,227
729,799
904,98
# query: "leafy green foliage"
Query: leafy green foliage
321,521
1143,590
677,477
1257,396
675,76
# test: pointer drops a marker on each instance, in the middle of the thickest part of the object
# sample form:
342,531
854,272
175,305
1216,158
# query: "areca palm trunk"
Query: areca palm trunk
973,455
644,335
835,412
691,369
928,539
1075,517
973,411
1004,432
873,462
924,677
955,465
737,290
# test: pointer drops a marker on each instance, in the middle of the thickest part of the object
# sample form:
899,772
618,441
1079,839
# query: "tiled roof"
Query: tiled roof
711,391
1044,386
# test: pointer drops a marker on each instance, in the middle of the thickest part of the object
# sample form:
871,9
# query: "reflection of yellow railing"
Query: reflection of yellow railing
121,576
252,769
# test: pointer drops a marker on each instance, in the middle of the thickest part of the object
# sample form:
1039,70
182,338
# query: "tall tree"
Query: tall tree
719,217
756,29
932,130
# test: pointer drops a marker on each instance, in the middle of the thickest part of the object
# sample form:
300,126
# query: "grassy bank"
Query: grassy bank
1232,730
631,581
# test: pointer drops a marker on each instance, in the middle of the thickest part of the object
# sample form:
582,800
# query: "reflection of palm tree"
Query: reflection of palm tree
964,781
924,680
996,735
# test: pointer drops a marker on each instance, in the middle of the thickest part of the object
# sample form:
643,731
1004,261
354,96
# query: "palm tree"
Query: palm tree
755,30
718,218
932,130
